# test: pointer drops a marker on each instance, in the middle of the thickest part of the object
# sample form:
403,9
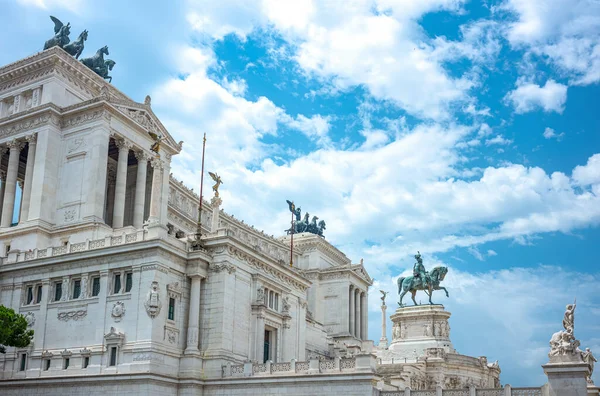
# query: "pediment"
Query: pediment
143,115
361,272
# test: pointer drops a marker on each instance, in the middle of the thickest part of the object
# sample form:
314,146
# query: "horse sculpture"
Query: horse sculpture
103,71
76,47
412,285
61,34
97,60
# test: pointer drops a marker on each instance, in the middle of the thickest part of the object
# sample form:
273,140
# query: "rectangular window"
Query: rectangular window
171,309
47,364
95,286
128,282
76,288
271,297
276,302
57,291
86,361
29,295
117,285
66,362
113,356
38,295
23,364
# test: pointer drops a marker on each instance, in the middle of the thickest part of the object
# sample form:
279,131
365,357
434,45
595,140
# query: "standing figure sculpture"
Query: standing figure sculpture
61,34
421,280
569,318
218,182
383,295
75,48
590,360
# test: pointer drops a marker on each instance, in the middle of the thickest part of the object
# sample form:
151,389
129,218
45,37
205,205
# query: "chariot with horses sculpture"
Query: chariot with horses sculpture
304,225
96,63
421,280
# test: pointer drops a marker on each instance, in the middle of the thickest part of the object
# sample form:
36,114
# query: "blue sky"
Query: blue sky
466,130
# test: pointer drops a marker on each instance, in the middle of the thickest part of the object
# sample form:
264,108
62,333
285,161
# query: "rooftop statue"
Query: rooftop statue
218,182
61,34
422,280
305,225
75,48
564,342
98,65
157,139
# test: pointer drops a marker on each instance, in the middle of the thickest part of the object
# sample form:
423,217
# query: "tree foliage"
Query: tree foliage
13,329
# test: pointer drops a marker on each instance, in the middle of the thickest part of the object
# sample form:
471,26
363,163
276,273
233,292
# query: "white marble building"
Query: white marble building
98,254
97,251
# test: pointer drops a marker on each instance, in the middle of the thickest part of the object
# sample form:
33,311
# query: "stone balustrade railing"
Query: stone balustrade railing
358,363
473,391
53,251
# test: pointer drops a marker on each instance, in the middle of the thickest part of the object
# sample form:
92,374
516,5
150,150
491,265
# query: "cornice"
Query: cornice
320,244
296,281
33,118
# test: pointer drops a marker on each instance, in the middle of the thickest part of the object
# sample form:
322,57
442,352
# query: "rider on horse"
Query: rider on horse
419,271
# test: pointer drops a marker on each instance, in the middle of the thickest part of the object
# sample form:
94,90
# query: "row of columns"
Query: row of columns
118,215
8,189
357,307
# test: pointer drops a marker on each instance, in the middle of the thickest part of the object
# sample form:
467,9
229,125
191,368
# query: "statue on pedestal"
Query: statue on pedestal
383,295
563,342
217,179
61,34
422,280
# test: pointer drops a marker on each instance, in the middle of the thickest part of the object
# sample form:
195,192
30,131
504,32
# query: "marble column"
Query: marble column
8,206
121,185
351,310
155,198
140,189
364,309
26,197
2,187
193,330
357,315
383,341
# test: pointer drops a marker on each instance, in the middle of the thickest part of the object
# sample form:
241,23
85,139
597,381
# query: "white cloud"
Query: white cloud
71,5
567,32
529,97
498,139
588,174
315,128
378,45
491,253
549,133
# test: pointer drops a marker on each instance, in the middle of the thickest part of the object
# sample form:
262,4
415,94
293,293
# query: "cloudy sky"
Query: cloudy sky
468,130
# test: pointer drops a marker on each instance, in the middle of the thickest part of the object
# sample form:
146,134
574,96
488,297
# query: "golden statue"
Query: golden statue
218,182
157,139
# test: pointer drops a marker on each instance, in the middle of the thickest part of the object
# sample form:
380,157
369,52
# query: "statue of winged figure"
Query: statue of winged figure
157,139
218,182
297,211
61,34
383,295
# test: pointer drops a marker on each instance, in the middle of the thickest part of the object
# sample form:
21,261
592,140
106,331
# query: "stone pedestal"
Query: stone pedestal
418,328
216,203
567,376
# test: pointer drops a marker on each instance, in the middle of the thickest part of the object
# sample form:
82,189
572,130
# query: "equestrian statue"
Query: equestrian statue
422,280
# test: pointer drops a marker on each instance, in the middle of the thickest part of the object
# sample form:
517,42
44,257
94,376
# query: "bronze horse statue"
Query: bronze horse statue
75,48
96,61
412,285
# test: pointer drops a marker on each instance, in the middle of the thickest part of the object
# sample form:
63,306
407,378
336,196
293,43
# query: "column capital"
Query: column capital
31,139
141,155
123,144
157,164
15,145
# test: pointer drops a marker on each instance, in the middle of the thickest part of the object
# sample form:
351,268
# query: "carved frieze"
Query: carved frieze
72,315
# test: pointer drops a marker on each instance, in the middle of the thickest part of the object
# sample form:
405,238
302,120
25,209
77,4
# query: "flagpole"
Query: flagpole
292,238
199,229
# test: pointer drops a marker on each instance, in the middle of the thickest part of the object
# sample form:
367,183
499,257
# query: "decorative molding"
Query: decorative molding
28,124
71,315
153,303
220,267
30,318
118,311
267,269
66,354
113,337
174,290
